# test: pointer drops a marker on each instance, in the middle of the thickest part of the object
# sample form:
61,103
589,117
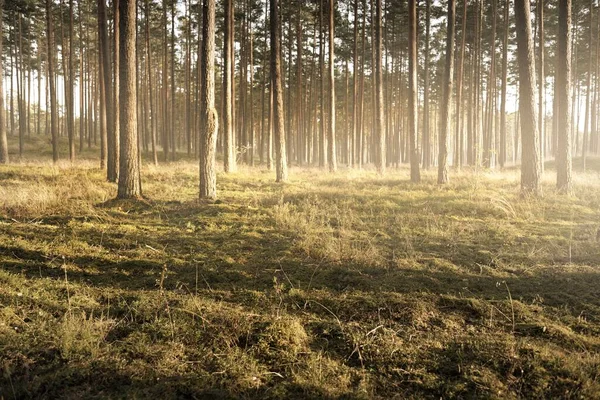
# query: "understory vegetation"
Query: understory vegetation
344,285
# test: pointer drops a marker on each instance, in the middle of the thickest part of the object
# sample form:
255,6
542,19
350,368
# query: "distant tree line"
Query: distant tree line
304,83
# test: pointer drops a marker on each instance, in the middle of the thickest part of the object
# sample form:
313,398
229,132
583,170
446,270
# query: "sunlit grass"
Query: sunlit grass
331,285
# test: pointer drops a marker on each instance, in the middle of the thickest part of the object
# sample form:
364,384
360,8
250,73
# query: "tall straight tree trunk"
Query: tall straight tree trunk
263,93
251,148
488,133
322,137
270,127
20,100
355,67
53,105
299,95
459,121
229,159
150,83
69,86
415,173
129,166
586,130
361,102
563,85
331,155
107,81
574,90
426,113
378,107
277,90
530,160
188,74
173,86
447,93
477,130
102,114
165,87
12,66
594,113
541,82
503,133
208,112
39,79
112,171
82,85
4,158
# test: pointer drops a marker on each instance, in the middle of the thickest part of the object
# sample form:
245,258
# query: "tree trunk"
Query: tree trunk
563,85
378,108
106,79
4,159
19,80
530,161
112,171
173,86
230,156
208,112
426,114
355,67
299,94
69,85
586,130
129,166
503,134
276,88
150,83
447,93
251,102
53,105
165,87
542,81
415,173
322,137
331,155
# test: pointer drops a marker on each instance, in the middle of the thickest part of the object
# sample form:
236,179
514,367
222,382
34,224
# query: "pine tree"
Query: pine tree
530,163
208,112
563,98
447,92
130,185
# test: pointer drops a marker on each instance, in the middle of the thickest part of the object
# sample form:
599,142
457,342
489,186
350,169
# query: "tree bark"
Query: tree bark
69,84
586,130
530,160
331,154
107,81
542,81
563,85
277,90
447,93
208,112
129,166
112,171
150,86
4,158
503,133
378,109
230,156
426,114
322,137
53,105
415,173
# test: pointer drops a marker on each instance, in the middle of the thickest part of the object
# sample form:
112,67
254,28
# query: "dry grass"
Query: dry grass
330,286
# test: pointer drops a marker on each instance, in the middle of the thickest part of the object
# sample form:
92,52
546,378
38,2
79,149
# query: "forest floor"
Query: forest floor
330,286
